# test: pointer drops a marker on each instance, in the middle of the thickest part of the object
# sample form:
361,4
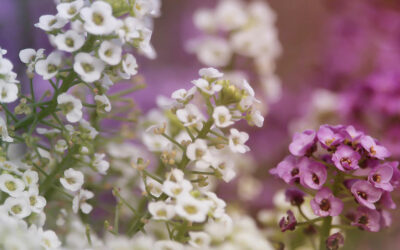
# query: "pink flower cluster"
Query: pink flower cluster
336,164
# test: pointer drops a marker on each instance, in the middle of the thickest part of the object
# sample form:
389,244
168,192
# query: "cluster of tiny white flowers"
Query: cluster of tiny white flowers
20,191
8,81
237,28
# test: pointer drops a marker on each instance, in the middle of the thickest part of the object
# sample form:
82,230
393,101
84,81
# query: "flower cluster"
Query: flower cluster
8,81
194,141
347,174
235,30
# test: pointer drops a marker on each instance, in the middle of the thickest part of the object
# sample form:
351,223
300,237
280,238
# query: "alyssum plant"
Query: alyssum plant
56,154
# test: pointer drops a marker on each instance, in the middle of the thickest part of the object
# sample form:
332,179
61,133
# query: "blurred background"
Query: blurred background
339,64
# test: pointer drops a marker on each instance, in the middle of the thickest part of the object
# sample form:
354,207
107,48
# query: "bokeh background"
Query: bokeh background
350,48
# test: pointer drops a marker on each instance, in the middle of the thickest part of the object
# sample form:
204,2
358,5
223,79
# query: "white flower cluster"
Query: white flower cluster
248,30
19,187
8,81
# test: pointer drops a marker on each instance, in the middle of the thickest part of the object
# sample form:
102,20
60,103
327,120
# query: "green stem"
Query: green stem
324,232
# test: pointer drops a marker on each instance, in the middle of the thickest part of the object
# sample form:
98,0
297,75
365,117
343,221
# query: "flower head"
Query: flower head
312,174
98,18
288,223
374,149
381,176
88,67
71,107
222,117
367,219
303,143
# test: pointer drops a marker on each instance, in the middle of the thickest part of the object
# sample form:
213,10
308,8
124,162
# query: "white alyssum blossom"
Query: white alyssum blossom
204,19
30,55
192,209
110,52
36,202
49,240
4,131
176,188
88,67
207,87
198,151
129,66
72,180
8,92
183,95
18,207
103,102
10,167
30,178
69,41
98,18
153,187
70,9
237,141
129,29
218,205
230,14
79,201
48,68
11,185
160,210
61,146
224,167
100,164
222,117
256,118
88,129
200,240
70,106
212,51
50,22
146,7
210,73
189,115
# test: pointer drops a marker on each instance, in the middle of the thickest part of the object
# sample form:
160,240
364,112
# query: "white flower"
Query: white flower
88,67
61,146
11,185
176,188
103,103
256,118
30,55
222,117
71,107
218,205
200,240
213,51
154,187
72,180
98,18
69,41
129,66
88,129
198,151
10,167
192,209
79,201
50,22
69,10
204,19
129,29
48,68
155,143
220,228
18,207
183,95
161,210
36,202
50,240
100,164
210,73
237,140
30,178
189,115
4,131
225,167
146,7
145,47
110,52
168,245
8,92
230,14
206,87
